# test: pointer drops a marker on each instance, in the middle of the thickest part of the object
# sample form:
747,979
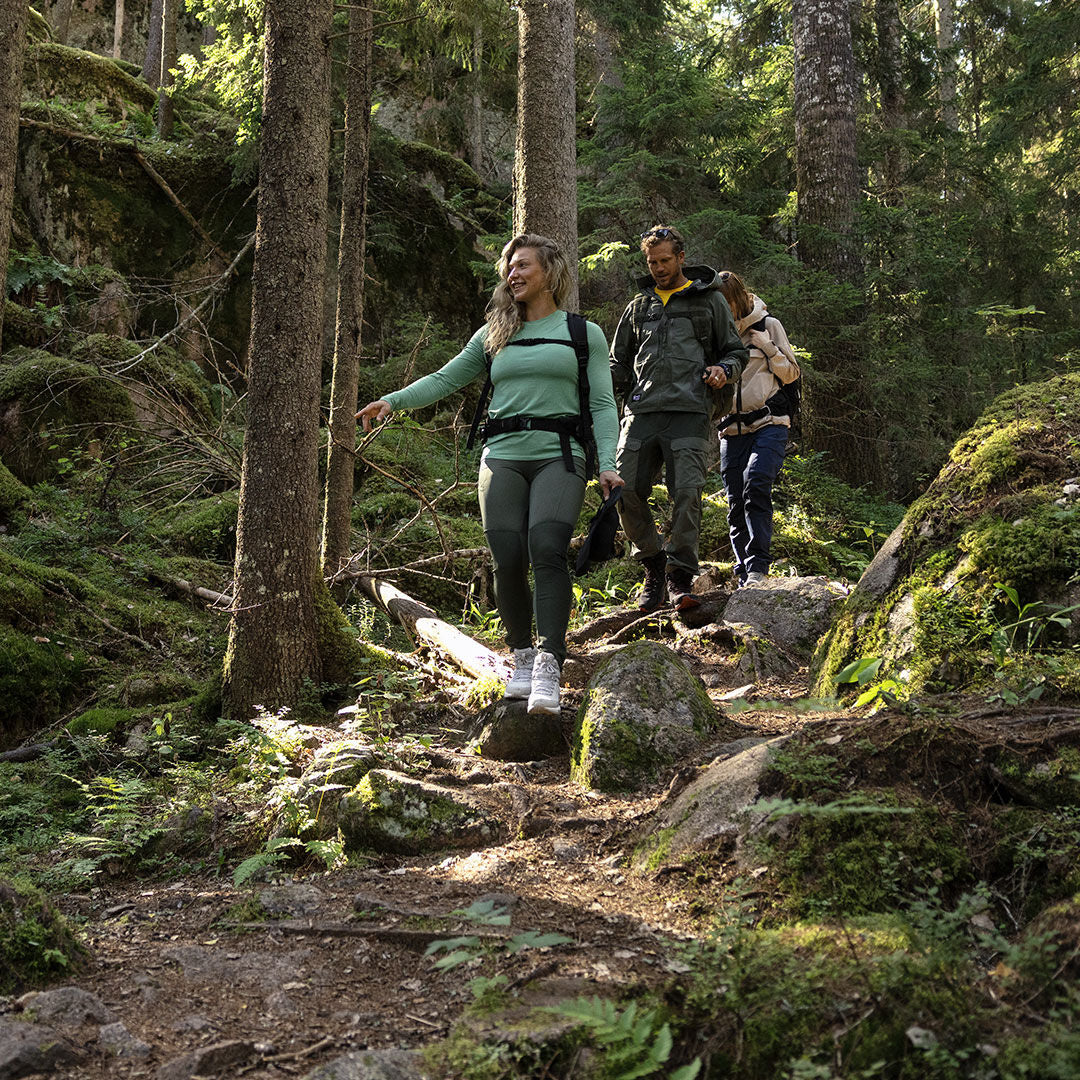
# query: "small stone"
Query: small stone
207,1060
66,1007
119,1042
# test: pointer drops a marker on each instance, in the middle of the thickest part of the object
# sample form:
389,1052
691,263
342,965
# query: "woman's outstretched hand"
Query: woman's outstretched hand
374,410
609,479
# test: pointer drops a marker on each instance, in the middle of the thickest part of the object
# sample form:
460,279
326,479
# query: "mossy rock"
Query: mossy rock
54,72
391,812
52,407
13,495
204,527
643,711
100,721
36,944
929,604
37,679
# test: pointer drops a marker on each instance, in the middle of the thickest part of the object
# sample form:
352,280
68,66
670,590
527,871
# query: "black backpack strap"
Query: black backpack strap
481,405
579,338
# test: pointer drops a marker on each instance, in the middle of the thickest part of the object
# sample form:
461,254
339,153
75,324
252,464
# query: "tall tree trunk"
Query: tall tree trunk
170,12
13,16
63,24
545,163
828,193
151,69
945,24
891,88
272,635
118,29
476,111
340,459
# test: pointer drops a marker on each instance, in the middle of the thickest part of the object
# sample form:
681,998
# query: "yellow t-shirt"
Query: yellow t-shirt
666,294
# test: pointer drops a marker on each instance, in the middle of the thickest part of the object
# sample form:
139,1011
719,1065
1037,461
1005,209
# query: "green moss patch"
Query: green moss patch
36,944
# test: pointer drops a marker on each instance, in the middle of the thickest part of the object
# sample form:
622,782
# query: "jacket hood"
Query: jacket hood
702,278
757,313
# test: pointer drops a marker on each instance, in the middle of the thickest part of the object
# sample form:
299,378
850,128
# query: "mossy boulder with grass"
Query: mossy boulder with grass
52,407
643,712
391,812
969,590
36,943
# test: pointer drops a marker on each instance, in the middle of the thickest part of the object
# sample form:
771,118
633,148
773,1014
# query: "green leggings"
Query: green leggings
529,510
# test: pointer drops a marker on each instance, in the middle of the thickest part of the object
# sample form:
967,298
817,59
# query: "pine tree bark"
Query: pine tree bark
835,417
63,24
13,16
151,69
545,164
273,633
340,460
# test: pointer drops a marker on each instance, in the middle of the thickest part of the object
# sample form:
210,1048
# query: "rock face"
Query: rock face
1003,511
712,811
30,1049
334,771
643,711
372,1065
791,612
392,812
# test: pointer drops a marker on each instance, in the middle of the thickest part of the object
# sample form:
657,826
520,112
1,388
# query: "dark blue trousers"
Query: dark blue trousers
749,465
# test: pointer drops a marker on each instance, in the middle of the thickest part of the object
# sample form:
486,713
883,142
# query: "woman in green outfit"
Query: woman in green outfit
529,498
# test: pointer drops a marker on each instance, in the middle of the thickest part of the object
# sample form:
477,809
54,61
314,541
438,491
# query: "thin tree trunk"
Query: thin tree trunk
273,645
151,69
170,12
835,417
340,460
63,24
118,29
545,163
13,16
476,114
945,24
891,87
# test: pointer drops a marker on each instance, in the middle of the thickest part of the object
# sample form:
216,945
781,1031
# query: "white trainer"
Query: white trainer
545,684
755,577
520,684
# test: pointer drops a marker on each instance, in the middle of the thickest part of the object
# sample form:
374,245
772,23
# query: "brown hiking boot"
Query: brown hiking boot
652,593
680,586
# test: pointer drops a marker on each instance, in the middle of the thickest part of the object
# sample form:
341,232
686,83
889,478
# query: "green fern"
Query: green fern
630,1043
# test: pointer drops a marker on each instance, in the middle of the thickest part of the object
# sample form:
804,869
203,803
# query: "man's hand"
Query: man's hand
375,410
715,376
609,480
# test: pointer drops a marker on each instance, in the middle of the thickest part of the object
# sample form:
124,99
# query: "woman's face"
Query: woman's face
525,276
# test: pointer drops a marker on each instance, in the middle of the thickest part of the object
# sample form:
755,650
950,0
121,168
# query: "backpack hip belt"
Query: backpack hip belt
564,426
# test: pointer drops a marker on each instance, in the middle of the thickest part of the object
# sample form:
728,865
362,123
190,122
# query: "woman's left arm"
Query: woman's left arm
605,416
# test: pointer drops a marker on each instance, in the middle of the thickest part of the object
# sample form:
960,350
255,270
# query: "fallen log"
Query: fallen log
421,622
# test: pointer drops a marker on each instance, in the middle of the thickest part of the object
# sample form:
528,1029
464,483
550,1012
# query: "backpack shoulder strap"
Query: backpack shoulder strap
579,338
481,405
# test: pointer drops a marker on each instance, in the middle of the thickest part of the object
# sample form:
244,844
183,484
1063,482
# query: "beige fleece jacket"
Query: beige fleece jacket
772,363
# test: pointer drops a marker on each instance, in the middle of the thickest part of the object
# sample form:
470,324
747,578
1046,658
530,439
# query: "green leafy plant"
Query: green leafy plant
462,949
631,1042
877,694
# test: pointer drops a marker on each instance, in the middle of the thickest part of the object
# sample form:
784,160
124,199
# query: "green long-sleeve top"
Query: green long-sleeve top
536,380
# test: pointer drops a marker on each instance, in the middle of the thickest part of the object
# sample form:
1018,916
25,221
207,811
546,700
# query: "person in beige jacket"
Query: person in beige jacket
753,438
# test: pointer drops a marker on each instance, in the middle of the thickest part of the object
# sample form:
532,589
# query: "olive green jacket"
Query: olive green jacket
659,353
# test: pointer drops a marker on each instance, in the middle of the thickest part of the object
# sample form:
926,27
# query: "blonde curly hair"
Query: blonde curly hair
504,314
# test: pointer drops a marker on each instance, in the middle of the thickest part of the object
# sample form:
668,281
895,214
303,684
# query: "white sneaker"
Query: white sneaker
545,684
520,684
755,577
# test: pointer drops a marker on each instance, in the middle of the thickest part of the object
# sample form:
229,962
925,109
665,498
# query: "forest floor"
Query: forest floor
307,968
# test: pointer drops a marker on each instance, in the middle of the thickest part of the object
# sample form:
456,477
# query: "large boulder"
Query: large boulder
941,606
643,711
389,811
507,732
713,811
335,770
793,613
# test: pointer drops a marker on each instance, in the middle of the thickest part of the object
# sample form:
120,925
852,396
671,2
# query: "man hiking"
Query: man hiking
674,347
